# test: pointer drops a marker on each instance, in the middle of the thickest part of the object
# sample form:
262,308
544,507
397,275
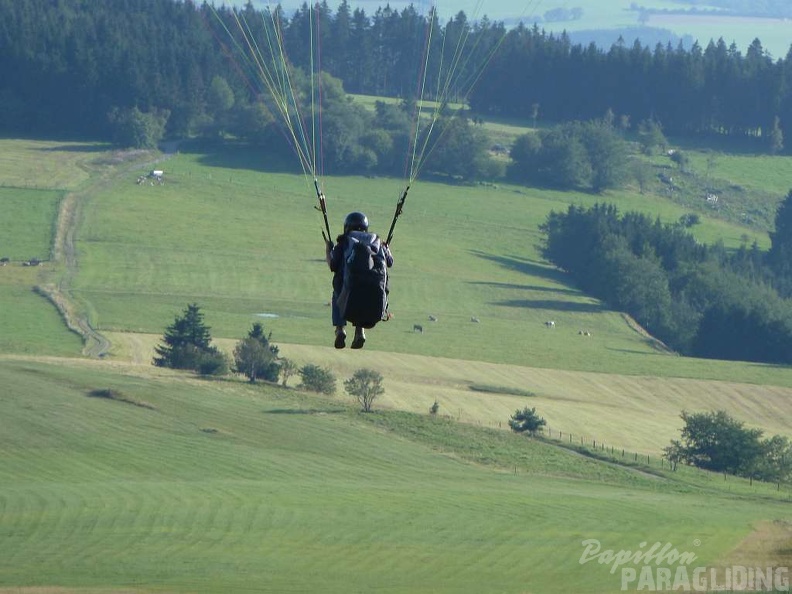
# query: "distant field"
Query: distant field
245,244
119,476
29,323
215,233
217,236
755,172
637,412
116,480
775,34
27,223
46,164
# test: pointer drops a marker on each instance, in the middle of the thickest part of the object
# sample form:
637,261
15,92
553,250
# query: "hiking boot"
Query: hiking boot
340,339
360,338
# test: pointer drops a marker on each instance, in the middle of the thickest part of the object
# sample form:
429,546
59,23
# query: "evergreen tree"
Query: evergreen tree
526,420
779,256
187,344
255,357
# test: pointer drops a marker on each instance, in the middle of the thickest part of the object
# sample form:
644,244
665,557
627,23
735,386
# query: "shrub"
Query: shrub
317,379
212,363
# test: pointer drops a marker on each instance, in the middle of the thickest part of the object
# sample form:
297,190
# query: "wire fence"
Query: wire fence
599,449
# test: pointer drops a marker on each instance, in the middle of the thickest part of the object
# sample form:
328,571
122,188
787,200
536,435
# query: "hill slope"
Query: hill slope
116,480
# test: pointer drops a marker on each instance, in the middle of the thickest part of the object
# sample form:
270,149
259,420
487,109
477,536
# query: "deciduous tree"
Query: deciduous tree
365,385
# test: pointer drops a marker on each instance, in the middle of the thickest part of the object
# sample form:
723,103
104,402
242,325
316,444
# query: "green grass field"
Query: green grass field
177,484
27,224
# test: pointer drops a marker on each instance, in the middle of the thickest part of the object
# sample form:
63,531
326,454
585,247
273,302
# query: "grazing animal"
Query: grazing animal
550,323
474,319
417,328
584,333
432,318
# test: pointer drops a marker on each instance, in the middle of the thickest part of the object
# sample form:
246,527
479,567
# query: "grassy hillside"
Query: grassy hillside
638,412
118,478
243,243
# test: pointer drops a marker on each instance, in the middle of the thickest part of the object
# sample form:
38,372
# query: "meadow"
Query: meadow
115,478
118,476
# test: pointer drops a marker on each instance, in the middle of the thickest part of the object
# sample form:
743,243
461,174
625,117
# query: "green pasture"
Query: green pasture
243,243
27,224
763,173
51,164
501,130
173,484
29,323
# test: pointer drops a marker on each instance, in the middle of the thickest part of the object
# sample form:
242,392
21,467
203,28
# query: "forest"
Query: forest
700,300
69,65
137,71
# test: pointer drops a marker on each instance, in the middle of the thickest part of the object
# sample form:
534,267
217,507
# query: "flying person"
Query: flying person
359,261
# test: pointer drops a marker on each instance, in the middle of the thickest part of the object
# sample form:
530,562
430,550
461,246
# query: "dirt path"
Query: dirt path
57,289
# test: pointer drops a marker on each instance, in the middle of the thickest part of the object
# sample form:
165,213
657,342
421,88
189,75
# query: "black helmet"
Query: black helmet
355,221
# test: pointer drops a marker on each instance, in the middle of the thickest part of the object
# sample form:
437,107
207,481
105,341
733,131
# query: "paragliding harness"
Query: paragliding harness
363,301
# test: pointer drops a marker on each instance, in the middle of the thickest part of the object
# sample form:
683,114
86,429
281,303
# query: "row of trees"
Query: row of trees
700,300
590,155
718,442
83,67
715,89
187,344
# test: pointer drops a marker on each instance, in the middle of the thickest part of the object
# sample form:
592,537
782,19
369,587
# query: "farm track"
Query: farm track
64,254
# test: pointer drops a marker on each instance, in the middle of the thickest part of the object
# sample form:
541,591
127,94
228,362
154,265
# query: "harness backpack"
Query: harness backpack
363,301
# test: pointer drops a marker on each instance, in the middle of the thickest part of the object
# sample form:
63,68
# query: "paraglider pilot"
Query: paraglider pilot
359,261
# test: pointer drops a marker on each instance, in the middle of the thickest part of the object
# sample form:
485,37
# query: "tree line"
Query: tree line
700,300
80,67
718,442
187,345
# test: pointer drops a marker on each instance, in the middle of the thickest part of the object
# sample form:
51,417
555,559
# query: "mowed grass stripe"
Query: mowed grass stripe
638,412
357,508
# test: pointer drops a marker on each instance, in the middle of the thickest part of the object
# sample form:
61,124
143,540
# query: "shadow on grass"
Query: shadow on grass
88,147
304,411
554,305
227,155
526,266
630,351
517,287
